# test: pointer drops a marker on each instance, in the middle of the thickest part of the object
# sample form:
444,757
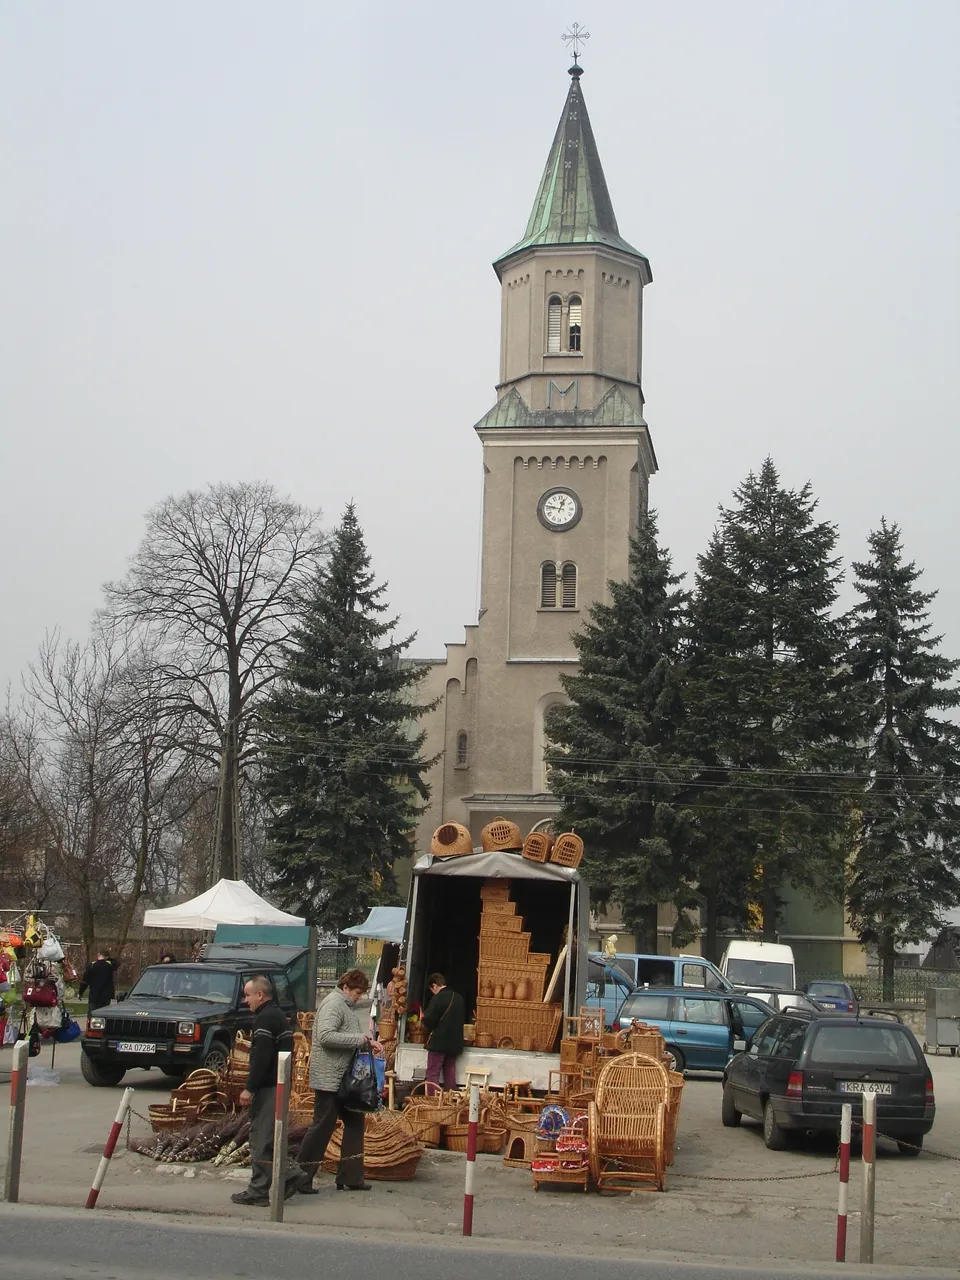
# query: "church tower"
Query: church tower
567,458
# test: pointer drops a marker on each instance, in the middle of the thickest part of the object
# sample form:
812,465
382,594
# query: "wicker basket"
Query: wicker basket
164,1115
495,891
450,840
494,910
567,850
515,971
501,834
421,1122
505,948
492,924
305,1022
445,1106
536,847
520,1019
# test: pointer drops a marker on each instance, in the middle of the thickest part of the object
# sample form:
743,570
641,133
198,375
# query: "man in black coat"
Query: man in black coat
98,979
272,1034
444,1019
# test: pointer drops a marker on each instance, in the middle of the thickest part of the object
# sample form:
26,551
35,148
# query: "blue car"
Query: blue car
702,1029
833,995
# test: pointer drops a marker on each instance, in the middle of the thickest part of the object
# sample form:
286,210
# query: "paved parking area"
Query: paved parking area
728,1196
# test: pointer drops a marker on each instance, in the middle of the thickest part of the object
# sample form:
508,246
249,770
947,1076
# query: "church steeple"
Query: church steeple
573,205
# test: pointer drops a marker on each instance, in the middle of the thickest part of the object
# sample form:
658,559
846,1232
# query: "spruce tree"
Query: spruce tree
906,867
343,770
767,708
613,758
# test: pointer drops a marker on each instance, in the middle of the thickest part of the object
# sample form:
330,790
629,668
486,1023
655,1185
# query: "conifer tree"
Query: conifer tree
906,867
613,758
767,708
343,770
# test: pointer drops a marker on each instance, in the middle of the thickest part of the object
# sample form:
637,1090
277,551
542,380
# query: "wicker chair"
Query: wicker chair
628,1124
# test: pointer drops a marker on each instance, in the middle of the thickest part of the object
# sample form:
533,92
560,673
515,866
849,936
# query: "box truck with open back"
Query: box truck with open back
492,923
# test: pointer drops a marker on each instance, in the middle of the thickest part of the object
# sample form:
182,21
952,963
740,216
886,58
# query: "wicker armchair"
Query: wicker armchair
628,1124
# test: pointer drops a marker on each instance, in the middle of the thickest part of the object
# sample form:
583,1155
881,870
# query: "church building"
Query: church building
567,458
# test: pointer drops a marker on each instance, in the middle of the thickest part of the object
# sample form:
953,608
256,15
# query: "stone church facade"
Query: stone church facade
567,458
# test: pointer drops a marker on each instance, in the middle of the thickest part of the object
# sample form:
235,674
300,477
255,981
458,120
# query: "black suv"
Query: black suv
800,1068
177,1017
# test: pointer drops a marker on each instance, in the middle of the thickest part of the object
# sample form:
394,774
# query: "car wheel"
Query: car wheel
773,1135
217,1057
679,1062
729,1115
911,1145
99,1075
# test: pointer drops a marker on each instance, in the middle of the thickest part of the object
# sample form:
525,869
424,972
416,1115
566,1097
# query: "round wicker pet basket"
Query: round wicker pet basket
450,840
501,834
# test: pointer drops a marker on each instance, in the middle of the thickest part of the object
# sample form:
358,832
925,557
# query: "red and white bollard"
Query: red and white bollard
18,1105
846,1124
869,1187
115,1131
474,1120
281,1108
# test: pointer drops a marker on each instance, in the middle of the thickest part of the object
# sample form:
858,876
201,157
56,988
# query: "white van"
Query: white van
759,964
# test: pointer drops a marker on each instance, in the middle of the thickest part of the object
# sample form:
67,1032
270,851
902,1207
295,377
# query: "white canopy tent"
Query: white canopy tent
228,902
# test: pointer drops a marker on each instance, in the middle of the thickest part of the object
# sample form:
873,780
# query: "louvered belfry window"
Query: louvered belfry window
548,585
576,310
554,322
568,586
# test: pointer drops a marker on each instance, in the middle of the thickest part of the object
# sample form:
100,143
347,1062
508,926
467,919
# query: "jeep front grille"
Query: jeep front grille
150,1029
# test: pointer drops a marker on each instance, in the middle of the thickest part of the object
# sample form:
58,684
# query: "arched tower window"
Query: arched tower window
574,316
568,586
548,585
461,748
554,323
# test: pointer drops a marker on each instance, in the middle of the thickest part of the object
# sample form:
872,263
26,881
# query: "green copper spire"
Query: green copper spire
573,205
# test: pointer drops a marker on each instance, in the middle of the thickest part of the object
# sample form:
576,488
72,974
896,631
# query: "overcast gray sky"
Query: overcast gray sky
253,241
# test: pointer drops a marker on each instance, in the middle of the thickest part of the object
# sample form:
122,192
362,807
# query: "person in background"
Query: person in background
337,1034
168,958
444,1021
272,1034
98,980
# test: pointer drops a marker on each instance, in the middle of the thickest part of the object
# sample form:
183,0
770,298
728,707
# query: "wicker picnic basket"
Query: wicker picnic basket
490,1136
495,891
514,971
520,1020
505,948
501,834
450,840
492,924
567,850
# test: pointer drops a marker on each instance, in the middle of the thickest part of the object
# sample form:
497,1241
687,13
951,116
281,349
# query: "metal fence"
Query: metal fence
910,986
332,961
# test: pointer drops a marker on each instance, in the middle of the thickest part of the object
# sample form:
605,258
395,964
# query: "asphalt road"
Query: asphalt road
52,1244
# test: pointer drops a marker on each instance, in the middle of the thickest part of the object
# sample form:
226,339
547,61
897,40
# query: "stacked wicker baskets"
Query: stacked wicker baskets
390,1152
511,979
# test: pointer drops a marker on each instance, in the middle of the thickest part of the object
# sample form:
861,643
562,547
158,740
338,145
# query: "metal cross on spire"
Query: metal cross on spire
575,36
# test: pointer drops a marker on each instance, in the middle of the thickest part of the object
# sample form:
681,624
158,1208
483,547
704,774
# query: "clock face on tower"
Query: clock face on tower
559,509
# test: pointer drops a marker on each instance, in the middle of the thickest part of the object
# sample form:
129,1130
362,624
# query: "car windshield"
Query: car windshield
762,973
166,983
864,1046
828,989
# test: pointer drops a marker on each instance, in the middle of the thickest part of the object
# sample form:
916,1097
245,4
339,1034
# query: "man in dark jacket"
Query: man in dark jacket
272,1034
444,1020
98,979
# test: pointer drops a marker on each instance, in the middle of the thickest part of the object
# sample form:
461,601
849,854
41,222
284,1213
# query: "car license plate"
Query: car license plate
135,1046
861,1086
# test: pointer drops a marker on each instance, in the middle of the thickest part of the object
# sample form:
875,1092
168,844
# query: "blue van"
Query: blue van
702,1029
669,971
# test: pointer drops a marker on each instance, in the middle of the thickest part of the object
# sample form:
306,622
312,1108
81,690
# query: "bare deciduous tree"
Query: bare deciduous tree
214,583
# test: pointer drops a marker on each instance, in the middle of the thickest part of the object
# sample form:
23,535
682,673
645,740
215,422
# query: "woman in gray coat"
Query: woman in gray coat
336,1036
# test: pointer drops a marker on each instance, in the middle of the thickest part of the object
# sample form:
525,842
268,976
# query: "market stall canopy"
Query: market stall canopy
386,924
228,902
